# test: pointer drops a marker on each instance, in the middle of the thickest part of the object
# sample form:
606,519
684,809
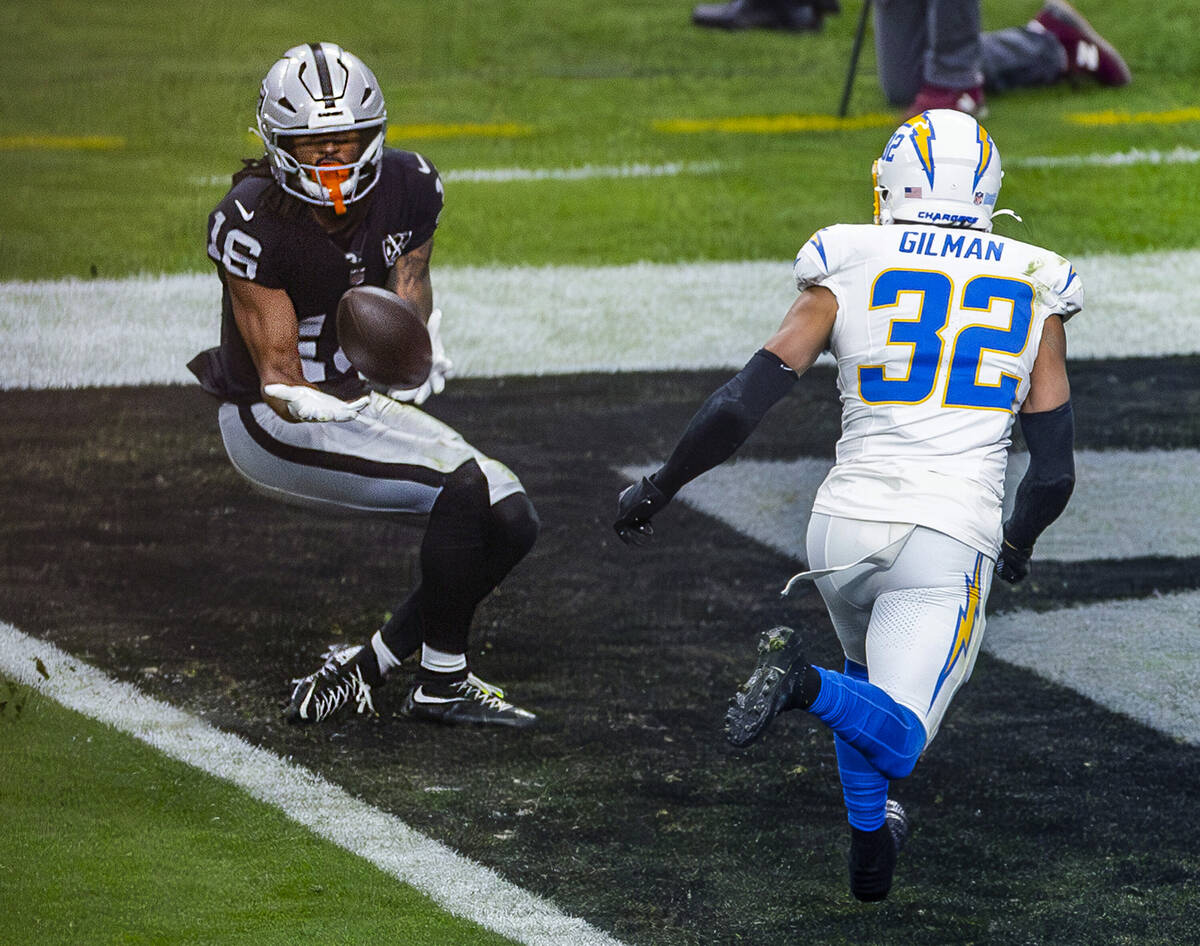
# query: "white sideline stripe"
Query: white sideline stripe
770,501
1140,658
582,172
1134,156
456,884
538,320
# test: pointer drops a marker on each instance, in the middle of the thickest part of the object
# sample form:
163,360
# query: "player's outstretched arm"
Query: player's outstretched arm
731,413
267,320
806,329
1048,425
409,278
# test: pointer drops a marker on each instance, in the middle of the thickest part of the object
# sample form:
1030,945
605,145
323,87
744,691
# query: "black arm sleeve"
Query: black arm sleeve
725,420
1050,479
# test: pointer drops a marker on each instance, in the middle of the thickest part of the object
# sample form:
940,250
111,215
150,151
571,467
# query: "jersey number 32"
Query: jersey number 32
962,387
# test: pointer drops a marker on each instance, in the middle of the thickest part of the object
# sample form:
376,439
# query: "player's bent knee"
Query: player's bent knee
459,513
465,486
517,523
908,744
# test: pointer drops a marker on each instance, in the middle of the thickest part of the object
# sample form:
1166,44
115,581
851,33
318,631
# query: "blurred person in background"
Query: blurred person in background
795,15
933,53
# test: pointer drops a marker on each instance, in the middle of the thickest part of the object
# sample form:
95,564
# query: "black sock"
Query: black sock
454,559
439,684
368,665
804,694
402,632
468,548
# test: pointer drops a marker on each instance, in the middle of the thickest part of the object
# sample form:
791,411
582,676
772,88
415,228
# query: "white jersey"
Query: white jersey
936,334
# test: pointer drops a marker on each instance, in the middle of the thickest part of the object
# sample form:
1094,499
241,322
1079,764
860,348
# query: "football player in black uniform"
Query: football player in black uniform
325,208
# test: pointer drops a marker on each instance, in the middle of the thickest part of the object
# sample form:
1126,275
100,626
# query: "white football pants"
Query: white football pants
391,458
913,615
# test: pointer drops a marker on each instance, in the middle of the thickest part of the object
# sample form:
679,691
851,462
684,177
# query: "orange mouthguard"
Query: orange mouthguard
331,180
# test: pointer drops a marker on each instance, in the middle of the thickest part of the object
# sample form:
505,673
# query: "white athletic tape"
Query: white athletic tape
542,320
456,884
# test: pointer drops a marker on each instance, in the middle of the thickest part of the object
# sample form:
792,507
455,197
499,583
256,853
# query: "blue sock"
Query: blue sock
865,791
889,736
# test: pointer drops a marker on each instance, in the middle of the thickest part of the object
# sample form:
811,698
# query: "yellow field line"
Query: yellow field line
1175,116
773,124
776,124
463,130
61,142
745,124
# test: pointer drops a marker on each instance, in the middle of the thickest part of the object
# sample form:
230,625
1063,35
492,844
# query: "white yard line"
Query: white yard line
456,884
1135,156
580,172
1140,658
540,320
588,172
770,500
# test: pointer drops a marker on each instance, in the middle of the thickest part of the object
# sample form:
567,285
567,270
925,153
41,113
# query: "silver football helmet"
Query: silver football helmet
315,89
941,167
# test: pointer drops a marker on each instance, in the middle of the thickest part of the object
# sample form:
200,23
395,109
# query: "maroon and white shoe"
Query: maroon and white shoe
1088,53
970,101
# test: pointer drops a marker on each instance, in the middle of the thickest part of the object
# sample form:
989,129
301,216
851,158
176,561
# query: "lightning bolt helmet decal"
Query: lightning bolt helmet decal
986,147
922,136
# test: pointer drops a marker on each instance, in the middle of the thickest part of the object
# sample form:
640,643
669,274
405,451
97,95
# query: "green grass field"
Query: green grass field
122,119
106,841
170,89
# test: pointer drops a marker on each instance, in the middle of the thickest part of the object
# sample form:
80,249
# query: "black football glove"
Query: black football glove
1012,564
635,506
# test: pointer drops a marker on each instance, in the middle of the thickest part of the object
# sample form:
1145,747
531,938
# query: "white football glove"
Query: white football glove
310,404
440,369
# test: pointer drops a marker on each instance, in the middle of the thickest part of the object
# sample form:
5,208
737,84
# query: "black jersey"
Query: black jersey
259,233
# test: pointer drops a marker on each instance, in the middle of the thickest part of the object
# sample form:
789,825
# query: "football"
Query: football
384,337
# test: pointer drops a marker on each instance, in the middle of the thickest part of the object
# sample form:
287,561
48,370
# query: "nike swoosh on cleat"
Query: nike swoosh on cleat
421,697
247,215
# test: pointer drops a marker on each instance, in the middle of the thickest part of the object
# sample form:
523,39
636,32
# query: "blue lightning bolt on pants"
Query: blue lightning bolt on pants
910,626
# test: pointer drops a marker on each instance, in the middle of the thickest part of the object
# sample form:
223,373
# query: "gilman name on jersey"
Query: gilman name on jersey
941,243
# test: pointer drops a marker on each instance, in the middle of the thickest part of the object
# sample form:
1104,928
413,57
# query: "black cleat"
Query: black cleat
336,685
467,701
759,14
768,692
873,855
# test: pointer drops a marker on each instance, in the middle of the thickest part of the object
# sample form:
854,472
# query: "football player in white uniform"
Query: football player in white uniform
943,333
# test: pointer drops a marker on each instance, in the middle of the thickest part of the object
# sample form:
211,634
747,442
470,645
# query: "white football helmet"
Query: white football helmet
320,88
941,167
